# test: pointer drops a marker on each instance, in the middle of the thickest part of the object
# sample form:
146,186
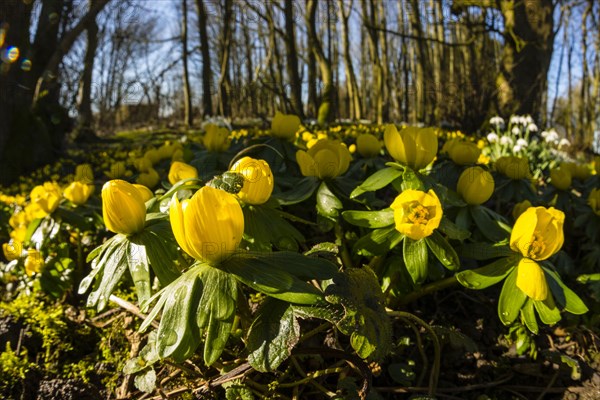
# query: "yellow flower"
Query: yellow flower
594,201
180,170
78,192
117,170
34,211
326,159
560,178
144,192
46,196
142,164
475,185
34,262
258,180
368,145
209,226
414,147
153,155
285,126
149,178
12,250
531,279
463,152
581,172
520,208
513,167
18,234
417,213
216,139
84,173
123,207
538,233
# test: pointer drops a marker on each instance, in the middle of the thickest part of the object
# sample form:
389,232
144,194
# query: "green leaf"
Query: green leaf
146,381
301,191
365,321
489,275
547,310
161,250
528,316
489,227
415,258
511,299
259,274
57,276
111,268
378,242
443,251
265,228
175,335
452,230
328,205
484,251
370,219
378,180
216,310
565,296
410,180
273,334
140,271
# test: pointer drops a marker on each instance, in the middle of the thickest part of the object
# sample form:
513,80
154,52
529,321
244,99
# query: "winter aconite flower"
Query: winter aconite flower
258,180
560,178
216,138
537,235
149,178
462,152
513,167
475,185
144,192
368,145
520,208
180,170
78,192
46,196
123,207
414,147
285,126
209,225
12,250
33,262
84,174
417,213
326,159
594,201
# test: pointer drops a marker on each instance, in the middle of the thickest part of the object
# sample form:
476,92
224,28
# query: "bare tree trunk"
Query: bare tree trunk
351,85
187,95
292,59
325,113
369,20
85,117
224,84
207,107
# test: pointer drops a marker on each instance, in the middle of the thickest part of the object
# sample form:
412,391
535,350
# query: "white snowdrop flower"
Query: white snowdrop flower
515,119
564,143
506,140
522,143
492,137
552,137
544,134
516,130
527,120
517,149
497,121
532,127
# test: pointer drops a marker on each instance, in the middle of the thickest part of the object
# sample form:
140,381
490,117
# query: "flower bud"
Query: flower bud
475,185
414,147
326,159
560,178
368,145
285,126
180,170
258,180
123,207
78,193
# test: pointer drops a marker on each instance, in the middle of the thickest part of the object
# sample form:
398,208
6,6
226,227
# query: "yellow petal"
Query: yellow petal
306,163
531,280
522,233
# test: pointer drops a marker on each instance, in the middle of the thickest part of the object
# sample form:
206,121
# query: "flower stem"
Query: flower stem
430,288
